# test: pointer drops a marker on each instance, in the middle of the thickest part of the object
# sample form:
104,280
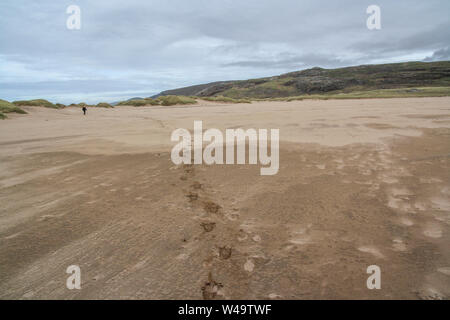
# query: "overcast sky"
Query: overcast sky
139,48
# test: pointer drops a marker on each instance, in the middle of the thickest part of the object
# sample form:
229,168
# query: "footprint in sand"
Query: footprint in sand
256,238
444,270
192,196
388,179
208,226
407,222
399,199
420,206
398,245
446,191
430,180
242,236
211,207
433,231
300,237
225,252
249,266
49,217
398,204
197,185
401,193
300,240
372,250
364,171
188,168
248,226
208,263
211,288
232,216
289,247
182,256
104,184
441,204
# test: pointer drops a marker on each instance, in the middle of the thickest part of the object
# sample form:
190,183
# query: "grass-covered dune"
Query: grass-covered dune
225,99
98,105
8,107
104,105
174,100
139,102
160,101
35,103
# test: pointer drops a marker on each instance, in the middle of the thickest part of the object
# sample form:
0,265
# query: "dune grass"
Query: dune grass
104,105
35,103
139,102
8,107
175,100
163,101
225,99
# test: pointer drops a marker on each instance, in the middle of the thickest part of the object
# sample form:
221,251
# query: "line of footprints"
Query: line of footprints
210,288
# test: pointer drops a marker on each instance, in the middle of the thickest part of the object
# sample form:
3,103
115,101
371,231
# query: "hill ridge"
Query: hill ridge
319,80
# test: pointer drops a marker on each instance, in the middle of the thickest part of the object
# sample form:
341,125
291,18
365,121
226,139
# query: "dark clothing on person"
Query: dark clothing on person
84,110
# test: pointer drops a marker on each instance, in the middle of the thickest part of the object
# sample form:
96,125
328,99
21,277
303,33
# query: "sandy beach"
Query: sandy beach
361,182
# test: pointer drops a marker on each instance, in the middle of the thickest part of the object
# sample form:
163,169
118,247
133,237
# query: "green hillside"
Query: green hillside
319,81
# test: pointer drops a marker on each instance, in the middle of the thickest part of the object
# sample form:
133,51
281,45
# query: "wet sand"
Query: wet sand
361,182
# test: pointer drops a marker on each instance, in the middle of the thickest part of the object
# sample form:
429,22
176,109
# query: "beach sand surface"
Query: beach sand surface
360,183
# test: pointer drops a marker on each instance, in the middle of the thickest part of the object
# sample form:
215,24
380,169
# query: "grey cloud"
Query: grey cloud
442,54
287,61
149,46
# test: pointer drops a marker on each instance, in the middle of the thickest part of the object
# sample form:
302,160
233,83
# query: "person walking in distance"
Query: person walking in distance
84,110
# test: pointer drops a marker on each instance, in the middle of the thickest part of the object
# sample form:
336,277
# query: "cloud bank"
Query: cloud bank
139,48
